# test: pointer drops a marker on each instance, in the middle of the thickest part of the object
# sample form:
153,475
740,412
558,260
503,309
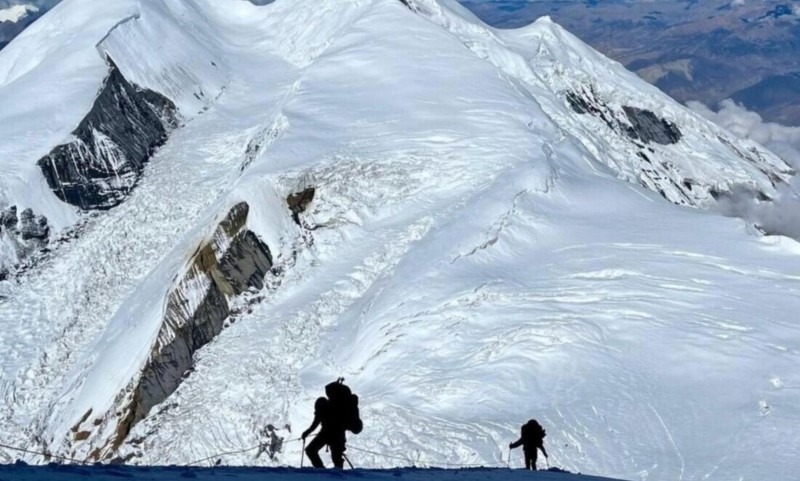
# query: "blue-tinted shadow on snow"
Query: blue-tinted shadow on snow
22,472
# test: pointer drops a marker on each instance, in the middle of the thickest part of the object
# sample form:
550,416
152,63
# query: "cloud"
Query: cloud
780,216
780,139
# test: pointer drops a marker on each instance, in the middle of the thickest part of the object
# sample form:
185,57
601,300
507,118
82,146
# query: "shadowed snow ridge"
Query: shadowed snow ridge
101,473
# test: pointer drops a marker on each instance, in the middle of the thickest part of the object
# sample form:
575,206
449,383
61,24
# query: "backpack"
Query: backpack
344,404
533,431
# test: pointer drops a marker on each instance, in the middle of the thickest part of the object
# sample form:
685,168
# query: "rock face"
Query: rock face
22,235
644,124
648,127
112,144
299,202
33,228
233,262
651,138
8,218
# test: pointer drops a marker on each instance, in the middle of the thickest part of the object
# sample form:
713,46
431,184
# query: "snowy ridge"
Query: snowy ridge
53,62
470,257
154,51
546,58
147,327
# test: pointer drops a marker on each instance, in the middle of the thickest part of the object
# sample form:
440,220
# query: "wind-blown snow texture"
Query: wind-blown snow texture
477,252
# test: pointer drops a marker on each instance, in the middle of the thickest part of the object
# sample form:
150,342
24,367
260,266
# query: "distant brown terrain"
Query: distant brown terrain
705,50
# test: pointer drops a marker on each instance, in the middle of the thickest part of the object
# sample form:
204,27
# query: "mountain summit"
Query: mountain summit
210,209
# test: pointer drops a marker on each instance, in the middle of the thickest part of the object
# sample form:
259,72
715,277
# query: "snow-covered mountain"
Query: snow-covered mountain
212,208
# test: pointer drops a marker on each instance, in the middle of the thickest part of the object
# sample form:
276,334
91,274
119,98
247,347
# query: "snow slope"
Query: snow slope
477,252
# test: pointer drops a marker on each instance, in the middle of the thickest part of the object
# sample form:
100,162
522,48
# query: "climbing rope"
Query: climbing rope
406,460
253,448
437,463
226,453
42,454
240,451
387,456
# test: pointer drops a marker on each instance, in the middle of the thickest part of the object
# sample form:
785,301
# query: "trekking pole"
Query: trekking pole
508,462
303,453
348,461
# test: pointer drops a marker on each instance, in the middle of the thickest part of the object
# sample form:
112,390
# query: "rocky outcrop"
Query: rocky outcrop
233,262
33,228
23,235
8,218
648,127
111,145
299,202
640,128
642,124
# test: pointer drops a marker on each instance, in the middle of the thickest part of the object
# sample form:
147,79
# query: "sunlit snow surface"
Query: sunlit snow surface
476,259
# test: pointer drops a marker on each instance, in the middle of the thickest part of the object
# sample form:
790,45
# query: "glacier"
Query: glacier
502,224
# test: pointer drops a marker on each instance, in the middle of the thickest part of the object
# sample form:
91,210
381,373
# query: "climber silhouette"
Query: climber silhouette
531,440
337,413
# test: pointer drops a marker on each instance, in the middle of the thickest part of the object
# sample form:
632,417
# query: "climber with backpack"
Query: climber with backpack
337,413
531,440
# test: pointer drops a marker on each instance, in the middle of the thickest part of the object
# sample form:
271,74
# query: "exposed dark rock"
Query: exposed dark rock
648,127
26,234
8,218
192,330
33,228
644,129
112,144
165,110
579,104
246,263
644,124
233,262
299,202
